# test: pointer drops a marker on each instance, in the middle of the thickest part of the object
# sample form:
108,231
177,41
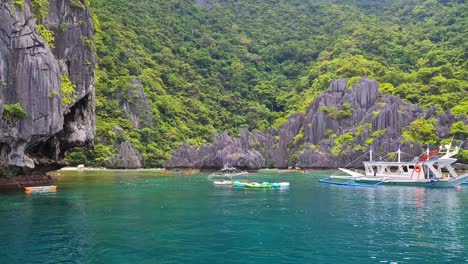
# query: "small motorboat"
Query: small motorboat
51,188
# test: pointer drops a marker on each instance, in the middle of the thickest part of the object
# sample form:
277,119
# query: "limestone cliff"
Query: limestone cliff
135,104
127,158
47,118
338,128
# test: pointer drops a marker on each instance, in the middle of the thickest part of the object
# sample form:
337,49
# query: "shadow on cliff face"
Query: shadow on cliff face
32,74
337,130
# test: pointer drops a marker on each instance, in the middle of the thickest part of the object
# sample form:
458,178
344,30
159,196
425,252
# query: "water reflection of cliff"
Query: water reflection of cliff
45,226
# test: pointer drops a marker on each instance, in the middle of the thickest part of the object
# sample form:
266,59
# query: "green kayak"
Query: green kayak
266,185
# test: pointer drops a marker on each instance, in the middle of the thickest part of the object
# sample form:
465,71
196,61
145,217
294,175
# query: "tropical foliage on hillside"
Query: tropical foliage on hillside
252,63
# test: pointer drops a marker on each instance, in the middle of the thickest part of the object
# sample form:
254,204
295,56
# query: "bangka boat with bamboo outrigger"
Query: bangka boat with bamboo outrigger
224,176
433,169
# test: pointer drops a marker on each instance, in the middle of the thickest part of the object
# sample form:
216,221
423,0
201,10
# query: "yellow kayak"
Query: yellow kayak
265,185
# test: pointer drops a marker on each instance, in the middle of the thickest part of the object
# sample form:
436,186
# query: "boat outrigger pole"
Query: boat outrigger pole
399,153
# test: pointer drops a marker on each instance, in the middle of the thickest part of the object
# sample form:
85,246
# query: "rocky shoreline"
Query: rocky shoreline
337,130
19,182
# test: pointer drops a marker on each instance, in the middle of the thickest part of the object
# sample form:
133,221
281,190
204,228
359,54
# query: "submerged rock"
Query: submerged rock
338,130
31,76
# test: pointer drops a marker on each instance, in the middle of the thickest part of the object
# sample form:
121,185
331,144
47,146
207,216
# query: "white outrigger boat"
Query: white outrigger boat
225,175
432,170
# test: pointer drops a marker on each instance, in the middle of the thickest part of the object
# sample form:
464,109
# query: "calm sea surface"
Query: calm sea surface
148,217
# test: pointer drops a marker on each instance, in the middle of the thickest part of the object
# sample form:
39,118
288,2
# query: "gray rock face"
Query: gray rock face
286,145
339,128
203,3
236,152
31,74
128,158
389,113
208,3
184,157
460,167
227,150
135,104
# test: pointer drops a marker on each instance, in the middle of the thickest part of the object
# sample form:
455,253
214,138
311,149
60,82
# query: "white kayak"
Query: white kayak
51,188
222,183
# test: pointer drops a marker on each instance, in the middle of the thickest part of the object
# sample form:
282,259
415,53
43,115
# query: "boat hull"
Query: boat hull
222,183
374,182
442,184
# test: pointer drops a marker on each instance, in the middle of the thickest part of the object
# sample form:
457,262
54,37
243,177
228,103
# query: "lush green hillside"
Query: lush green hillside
252,63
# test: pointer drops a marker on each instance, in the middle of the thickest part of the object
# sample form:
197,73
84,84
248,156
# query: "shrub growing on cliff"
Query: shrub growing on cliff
13,112
461,108
40,8
68,90
77,4
334,113
341,142
459,129
422,131
47,35
20,4
462,156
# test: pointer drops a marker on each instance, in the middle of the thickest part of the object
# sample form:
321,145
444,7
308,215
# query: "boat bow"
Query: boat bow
352,173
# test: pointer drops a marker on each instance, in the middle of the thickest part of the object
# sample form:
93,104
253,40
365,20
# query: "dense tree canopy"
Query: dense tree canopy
252,63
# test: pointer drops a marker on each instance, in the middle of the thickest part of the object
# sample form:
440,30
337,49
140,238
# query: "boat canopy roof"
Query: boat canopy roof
391,163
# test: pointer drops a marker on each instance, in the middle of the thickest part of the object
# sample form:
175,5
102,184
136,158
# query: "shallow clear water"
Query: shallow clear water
148,217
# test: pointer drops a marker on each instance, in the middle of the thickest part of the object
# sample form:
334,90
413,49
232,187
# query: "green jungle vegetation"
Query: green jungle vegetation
250,64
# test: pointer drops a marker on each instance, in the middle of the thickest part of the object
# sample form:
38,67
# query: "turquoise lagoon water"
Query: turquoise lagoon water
148,217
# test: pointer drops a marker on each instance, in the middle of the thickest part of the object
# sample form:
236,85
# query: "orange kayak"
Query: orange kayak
51,188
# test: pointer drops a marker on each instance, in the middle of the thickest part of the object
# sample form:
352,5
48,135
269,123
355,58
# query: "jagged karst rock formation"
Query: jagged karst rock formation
338,129
31,74
368,114
224,149
135,104
127,158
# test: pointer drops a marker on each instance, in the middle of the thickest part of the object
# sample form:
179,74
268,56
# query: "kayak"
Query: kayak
265,185
51,188
222,183
239,184
282,185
